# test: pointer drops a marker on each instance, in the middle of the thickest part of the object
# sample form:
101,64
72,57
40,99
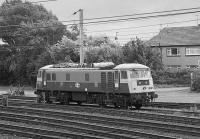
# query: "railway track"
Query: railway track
31,132
170,105
112,123
173,105
96,108
85,120
70,125
31,101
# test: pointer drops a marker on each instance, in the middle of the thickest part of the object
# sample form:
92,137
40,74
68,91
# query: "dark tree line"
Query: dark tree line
31,31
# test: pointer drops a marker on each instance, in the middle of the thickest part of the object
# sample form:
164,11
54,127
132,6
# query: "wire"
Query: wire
134,34
136,18
101,30
184,21
133,18
156,12
126,19
42,1
105,21
139,33
22,26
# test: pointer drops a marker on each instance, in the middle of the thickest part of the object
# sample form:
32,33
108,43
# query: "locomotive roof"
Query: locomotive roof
51,67
131,66
118,67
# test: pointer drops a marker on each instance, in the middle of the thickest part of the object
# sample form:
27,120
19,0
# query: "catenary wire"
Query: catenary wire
156,12
184,21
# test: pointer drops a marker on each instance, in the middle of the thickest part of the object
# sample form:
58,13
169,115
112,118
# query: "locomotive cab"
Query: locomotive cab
140,80
139,83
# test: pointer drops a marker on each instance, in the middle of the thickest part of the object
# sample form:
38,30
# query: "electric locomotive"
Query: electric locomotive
124,85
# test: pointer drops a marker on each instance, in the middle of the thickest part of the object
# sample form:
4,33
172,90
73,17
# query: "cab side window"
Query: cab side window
116,75
123,75
48,76
67,77
53,76
87,78
39,74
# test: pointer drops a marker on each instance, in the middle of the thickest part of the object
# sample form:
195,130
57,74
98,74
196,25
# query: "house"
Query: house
179,47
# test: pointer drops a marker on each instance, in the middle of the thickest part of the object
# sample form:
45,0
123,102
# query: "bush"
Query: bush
171,78
196,85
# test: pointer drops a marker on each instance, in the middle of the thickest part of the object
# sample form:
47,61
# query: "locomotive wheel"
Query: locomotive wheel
49,102
116,106
39,99
79,102
64,101
102,104
67,102
138,104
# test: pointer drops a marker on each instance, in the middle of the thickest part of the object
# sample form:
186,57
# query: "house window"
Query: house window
174,67
173,52
192,67
67,77
192,51
188,67
87,77
178,67
123,75
53,76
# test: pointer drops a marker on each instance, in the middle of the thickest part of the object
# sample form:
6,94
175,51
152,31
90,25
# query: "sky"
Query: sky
64,10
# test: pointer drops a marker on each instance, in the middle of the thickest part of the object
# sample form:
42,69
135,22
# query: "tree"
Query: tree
65,50
27,24
102,49
72,33
31,31
136,51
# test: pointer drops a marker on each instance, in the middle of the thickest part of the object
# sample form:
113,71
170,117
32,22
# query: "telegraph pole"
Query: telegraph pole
81,38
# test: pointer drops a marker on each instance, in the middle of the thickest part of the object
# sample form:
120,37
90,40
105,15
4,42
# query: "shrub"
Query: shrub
196,85
169,78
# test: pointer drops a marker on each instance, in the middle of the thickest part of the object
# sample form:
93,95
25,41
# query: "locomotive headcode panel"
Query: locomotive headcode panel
122,86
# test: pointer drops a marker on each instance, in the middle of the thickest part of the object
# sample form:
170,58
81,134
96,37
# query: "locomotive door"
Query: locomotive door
110,81
117,80
44,82
107,81
103,80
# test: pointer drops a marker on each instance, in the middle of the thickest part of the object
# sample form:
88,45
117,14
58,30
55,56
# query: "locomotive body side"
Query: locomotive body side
124,85
73,80
74,83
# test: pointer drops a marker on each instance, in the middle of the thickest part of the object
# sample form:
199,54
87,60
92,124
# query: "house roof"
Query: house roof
178,36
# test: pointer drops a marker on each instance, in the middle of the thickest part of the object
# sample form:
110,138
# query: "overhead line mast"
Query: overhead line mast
81,37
